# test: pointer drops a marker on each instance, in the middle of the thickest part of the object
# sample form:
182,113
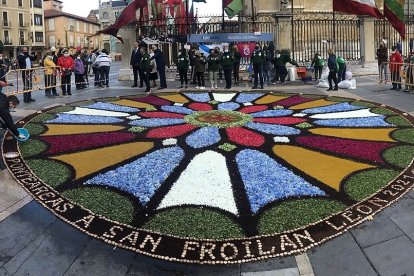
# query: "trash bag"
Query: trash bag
348,75
346,84
323,84
325,74
353,84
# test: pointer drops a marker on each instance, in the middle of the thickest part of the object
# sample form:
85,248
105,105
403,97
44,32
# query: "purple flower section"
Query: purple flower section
363,150
83,119
152,100
295,100
68,143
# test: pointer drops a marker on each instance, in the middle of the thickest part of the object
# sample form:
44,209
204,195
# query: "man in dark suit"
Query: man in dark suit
159,59
135,64
26,62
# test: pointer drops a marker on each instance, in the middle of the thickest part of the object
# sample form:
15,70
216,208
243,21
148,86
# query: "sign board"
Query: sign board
229,37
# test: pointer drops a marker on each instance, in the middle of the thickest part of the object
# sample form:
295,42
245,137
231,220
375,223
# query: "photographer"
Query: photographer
67,65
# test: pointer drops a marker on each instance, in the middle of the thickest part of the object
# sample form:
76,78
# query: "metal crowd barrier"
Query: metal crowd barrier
399,75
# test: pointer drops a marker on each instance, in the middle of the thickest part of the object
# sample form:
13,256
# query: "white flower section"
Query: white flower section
223,97
206,181
248,104
169,142
96,112
179,104
363,113
281,139
135,117
299,115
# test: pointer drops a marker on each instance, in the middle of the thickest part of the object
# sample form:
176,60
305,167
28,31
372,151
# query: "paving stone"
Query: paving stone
142,269
53,257
405,221
270,264
99,258
231,270
67,232
393,257
404,205
282,272
3,272
376,231
21,228
340,257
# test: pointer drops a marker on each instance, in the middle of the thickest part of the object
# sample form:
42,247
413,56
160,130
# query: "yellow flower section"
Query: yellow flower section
328,169
79,129
91,161
378,134
270,99
135,104
177,98
313,104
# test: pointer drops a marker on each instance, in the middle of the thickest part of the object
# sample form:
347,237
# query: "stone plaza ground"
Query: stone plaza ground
34,242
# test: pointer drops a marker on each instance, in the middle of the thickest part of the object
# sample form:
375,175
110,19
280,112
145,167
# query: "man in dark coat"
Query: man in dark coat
135,61
333,70
6,120
145,67
159,59
26,62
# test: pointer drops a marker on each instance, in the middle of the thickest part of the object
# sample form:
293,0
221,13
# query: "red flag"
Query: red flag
246,49
127,16
361,7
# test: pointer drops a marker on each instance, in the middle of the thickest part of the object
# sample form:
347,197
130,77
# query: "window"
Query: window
20,3
77,26
39,36
105,15
52,40
78,40
85,27
38,20
37,4
21,20
6,37
21,37
6,19
4,2
51,24
71,40
90,29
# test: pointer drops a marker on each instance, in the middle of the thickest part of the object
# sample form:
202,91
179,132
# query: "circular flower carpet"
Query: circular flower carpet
212,177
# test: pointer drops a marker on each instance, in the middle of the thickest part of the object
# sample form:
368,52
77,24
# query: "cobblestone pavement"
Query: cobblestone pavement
35,242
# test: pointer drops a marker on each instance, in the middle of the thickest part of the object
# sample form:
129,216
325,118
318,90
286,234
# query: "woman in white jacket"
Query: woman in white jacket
103,62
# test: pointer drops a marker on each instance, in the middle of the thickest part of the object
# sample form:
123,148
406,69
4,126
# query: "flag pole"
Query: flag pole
186,17
222,15
333,27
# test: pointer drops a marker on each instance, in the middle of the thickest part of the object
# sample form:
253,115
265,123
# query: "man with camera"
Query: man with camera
67,65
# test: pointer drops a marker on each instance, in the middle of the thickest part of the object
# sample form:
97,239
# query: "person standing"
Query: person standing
183,63
382,56
153,76
135,61
85,61
318,63
145,67
341,68
50,75
333,70
213,66
227,65
220,69
3,71
26,62
395,67
95,68
66,64
236,64
200,69
192,56
159,59
79,72
104,64
266,66
257,60
53,77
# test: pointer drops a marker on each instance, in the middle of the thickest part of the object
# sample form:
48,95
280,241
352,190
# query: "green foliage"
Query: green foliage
32,147
51,172
399,156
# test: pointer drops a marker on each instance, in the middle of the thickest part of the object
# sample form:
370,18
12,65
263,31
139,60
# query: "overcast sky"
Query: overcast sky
83,7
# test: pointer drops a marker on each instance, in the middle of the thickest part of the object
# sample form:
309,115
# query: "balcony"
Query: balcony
23,25
6,24
8,42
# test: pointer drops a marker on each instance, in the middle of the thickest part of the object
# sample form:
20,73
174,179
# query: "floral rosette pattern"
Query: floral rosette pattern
218,166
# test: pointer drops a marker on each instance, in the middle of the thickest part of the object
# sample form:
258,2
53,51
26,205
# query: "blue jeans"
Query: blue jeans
383,71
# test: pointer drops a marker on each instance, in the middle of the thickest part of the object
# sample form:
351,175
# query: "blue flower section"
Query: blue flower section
245,98
204,137
177,109
144,176
333,108
83,119
355,122
273,129
112,107
157,122
199,97
228,106
272,113
267,181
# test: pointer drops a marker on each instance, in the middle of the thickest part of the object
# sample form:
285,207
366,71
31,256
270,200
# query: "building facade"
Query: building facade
108,14
68,30
22,24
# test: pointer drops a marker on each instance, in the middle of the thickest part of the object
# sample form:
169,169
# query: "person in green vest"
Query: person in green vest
257,60
227,64
213,68
145,65
200,69
318,63
341,68
183,64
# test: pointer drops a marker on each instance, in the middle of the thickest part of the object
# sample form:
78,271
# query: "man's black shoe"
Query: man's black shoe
70,94
141,86
134,86
393,88
254,87
27,101
32,100
335,89
330,89
161,88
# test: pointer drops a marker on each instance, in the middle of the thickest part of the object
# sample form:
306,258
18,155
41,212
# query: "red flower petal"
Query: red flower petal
253,109
152,100
245,137
161,115
280,120
200,107
170,132
295,100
